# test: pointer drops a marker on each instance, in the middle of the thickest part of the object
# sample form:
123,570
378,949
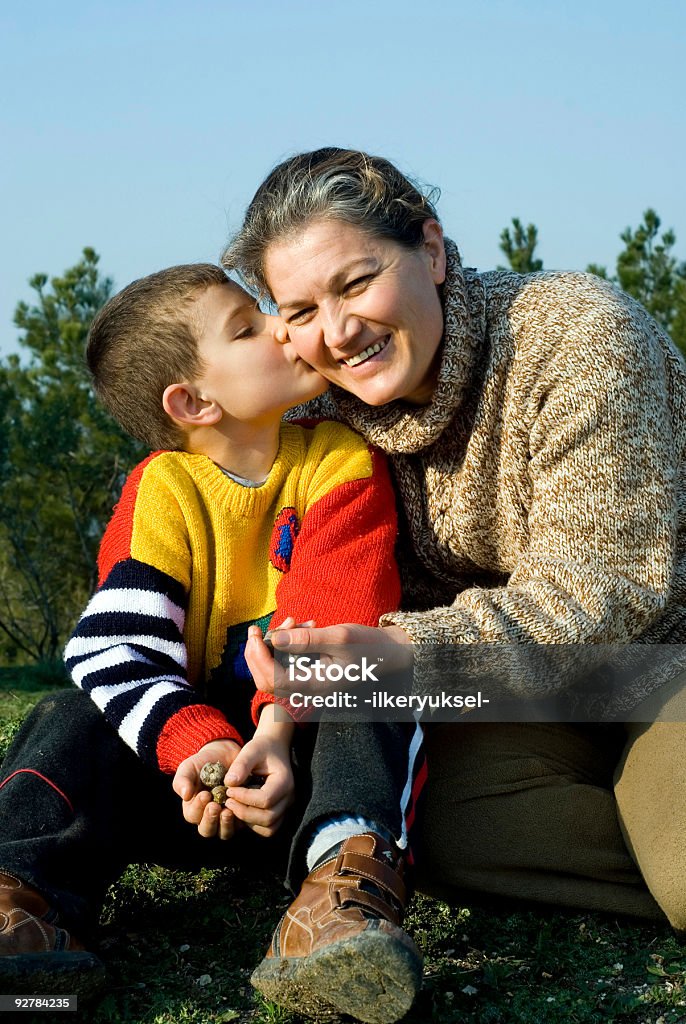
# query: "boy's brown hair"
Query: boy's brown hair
142,341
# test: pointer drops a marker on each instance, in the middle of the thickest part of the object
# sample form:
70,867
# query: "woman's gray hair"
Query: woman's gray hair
343,184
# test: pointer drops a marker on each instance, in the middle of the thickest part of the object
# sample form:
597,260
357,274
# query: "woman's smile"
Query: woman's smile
368,353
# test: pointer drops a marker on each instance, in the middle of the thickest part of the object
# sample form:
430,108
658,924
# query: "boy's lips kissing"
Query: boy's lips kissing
367,353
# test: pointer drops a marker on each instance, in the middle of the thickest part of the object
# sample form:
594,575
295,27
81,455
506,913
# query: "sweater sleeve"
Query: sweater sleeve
127,650
602,518
343,567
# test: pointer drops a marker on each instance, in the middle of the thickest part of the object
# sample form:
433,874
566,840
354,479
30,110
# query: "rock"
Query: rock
212,774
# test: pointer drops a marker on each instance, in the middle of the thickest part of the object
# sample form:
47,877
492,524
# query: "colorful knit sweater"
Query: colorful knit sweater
544,485
190,559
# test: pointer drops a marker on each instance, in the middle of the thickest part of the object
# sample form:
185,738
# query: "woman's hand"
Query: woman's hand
340,644
197,804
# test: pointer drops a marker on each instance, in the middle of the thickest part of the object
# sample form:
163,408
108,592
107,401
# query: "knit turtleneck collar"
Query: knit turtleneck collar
401,427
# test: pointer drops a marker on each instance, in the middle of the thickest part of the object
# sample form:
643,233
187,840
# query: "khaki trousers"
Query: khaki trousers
591,817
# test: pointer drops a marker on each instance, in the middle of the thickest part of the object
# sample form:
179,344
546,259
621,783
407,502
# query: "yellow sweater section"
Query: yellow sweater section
213,535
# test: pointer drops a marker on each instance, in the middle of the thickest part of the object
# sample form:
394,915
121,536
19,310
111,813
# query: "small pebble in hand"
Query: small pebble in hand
212,774
219,794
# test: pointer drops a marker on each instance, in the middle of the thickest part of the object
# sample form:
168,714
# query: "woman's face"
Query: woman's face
362,310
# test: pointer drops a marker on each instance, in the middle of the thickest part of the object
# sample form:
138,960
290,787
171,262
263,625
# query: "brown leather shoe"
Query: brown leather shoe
339,946
35,953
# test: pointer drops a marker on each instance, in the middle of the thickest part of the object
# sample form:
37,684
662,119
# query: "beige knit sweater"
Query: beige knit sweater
543,486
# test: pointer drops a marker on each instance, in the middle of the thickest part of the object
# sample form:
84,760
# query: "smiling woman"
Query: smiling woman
354,304
535,427
353,263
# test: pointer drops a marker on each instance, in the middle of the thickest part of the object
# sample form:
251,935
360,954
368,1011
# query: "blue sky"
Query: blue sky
142,128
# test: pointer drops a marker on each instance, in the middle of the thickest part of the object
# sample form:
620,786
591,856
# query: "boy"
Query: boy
240,521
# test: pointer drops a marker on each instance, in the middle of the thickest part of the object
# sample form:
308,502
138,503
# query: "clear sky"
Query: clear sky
142,127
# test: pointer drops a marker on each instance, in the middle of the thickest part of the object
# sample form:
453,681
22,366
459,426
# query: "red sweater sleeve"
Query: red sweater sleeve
343,567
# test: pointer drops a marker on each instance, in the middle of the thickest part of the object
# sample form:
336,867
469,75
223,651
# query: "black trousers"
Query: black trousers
77,805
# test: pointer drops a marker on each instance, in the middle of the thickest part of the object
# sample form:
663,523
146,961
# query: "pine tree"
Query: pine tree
648,270
519,247
62,463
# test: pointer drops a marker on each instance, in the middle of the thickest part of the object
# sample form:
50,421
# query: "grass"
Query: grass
180,947
20,689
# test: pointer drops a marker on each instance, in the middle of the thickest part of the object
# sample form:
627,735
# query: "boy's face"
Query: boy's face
251,375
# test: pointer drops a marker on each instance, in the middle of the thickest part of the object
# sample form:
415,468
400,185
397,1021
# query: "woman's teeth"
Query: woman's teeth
362,357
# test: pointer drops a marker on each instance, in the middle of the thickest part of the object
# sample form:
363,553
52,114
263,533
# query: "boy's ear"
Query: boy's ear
187,407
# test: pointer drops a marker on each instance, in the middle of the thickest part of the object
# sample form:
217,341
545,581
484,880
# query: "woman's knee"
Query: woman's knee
650,788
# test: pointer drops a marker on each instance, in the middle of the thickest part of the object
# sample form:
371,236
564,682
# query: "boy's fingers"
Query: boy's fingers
274,790
193,810
247,797
238,772
227,824
267,673
260,662
277,788
258,650
257,816
182,787
242,767
209,824
185,781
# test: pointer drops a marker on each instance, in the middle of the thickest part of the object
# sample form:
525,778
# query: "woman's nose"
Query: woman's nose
339,328
279,329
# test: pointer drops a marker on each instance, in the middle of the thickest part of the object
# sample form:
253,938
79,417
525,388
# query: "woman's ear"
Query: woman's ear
187,407
434,246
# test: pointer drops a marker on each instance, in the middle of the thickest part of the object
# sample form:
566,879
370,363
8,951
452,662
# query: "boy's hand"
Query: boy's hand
268,674
262,809
197,804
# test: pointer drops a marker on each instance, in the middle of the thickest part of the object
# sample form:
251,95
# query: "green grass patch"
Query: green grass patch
22,688
180,947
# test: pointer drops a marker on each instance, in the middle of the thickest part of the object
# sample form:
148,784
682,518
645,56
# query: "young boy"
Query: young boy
240,521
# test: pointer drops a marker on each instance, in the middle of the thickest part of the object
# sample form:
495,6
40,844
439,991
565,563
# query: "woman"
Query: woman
535,428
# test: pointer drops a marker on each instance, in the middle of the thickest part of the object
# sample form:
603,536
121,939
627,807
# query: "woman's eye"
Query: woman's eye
357,285
300,317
